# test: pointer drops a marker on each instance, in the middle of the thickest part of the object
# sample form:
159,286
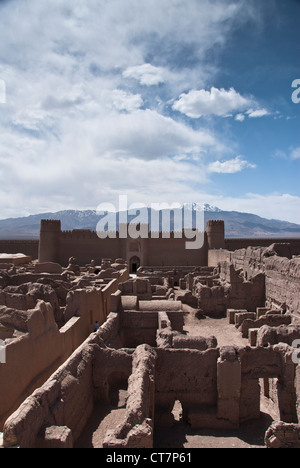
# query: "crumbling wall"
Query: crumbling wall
286,434
282,273
268,336
137,287
166,337
61,407
268,363
25,297
218,389
137,429
271,320
65,400
283,283
27,330
139,318
283,435
189,376
231,290
33,352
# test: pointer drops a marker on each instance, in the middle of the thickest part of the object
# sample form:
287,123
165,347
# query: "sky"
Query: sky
164,101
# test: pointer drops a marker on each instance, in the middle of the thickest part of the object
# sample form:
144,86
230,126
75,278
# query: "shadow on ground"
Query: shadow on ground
250,434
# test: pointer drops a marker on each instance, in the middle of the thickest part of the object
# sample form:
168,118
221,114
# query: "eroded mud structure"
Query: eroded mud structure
195,348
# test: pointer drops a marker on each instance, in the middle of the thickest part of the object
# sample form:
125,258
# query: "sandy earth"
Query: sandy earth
250,434
226,334
110,416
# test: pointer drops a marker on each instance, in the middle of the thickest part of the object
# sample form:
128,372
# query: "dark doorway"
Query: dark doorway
134,265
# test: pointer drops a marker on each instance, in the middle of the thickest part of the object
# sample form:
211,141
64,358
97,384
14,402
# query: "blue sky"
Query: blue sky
160,100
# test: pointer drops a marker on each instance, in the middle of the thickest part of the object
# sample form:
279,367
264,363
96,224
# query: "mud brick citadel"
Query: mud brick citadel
141,343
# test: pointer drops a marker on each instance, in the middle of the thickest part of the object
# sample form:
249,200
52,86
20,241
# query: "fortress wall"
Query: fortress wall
173,252
26,247
86,246
243,243
58,246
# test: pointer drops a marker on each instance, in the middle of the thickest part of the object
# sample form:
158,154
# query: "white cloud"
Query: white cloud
218,102
270,205
231,166
123,100
146,74
77,128
240,117
198,103
93,160
295,153
149,135
292,154
257,113
2,92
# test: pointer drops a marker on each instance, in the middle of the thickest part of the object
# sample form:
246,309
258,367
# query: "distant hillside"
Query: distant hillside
236,224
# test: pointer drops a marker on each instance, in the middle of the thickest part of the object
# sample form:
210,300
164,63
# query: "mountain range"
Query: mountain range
237,224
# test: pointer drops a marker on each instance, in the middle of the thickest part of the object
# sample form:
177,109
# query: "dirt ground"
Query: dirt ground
249,435
226,334
105,417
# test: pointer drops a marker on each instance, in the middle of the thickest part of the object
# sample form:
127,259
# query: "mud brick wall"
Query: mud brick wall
282,276
66,399
137,429
234,291
176,378
283,283
26,247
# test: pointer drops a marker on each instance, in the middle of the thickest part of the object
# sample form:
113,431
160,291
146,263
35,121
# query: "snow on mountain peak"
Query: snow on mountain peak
201,207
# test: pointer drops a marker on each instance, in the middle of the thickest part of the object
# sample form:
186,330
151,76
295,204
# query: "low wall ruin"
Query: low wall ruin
282,272
25,330
231,289
137,429
218,389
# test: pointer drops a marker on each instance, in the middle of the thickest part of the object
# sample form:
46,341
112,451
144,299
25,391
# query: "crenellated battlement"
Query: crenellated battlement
57,245
215,223
51,225
79,234
215,229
